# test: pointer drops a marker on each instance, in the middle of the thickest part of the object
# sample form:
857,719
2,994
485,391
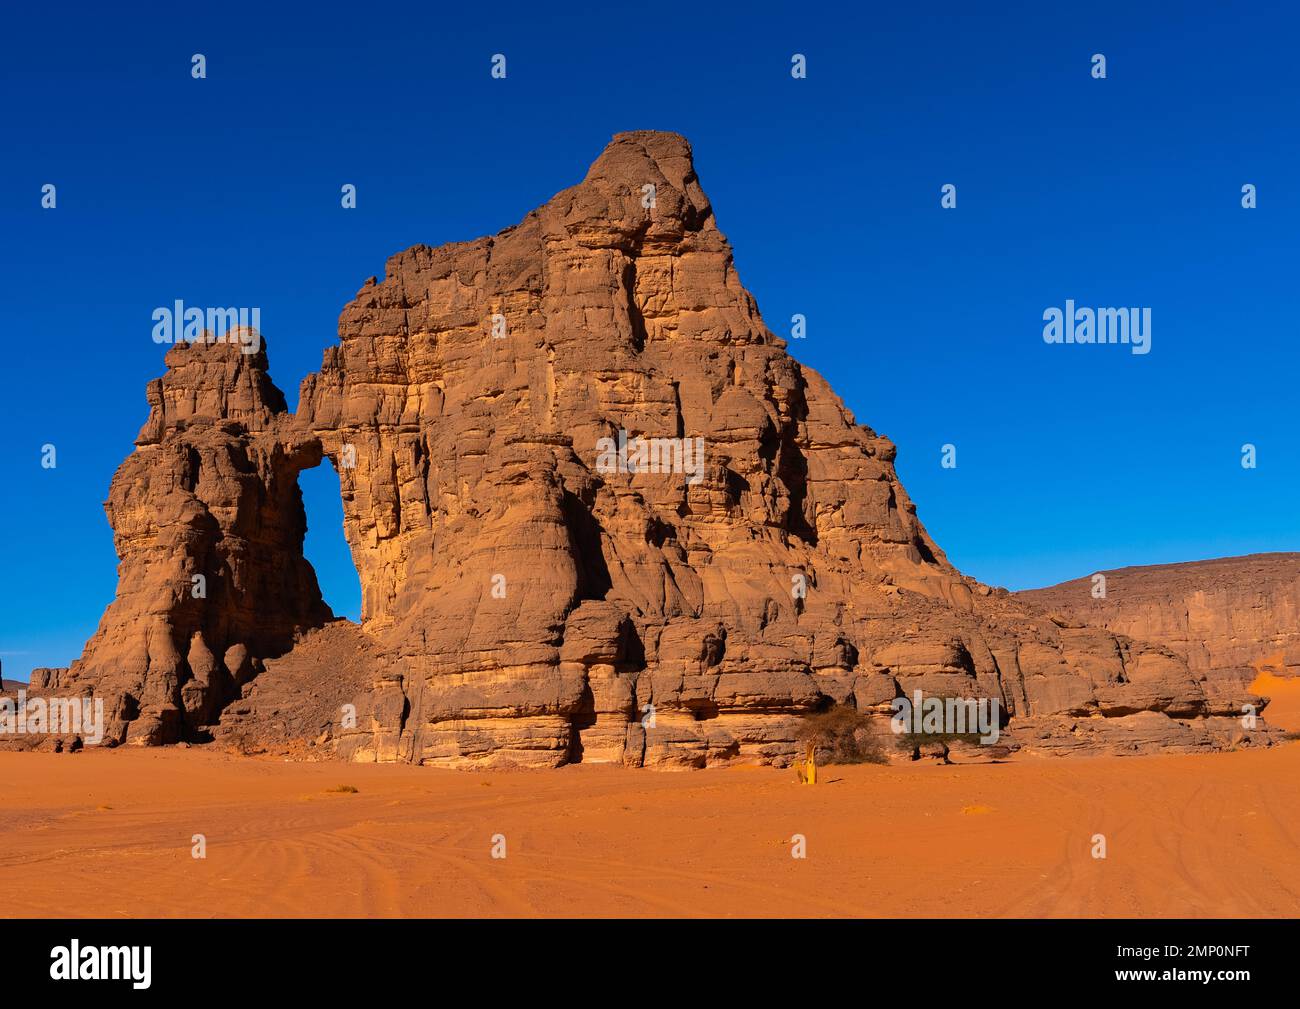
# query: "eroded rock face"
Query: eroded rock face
1229,618
529,600
208,524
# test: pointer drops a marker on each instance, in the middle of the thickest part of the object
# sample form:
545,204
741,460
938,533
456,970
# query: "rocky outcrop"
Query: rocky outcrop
599,513
1230,618
208,524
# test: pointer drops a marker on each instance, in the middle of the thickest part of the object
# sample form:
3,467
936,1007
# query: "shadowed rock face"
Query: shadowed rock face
522,602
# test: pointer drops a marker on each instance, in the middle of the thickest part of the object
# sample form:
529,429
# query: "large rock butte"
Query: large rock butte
523,604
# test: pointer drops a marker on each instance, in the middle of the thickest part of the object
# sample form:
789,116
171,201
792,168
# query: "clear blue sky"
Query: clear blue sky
1124,191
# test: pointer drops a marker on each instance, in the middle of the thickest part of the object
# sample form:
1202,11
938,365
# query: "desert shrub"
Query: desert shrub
345,789
842,735
911,741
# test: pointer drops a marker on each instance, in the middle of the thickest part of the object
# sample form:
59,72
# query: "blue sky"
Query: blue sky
1124,191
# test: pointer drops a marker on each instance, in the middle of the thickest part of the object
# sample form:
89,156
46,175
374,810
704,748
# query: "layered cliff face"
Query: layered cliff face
1230,618
598,513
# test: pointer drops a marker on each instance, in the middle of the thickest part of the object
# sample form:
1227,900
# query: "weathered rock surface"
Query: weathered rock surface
525,604
1229,618
208,524
293,706
1141,732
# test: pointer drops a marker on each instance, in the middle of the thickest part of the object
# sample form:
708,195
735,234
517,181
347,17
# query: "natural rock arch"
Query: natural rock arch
520,605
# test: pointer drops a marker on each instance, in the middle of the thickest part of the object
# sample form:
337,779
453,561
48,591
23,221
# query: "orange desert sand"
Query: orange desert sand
108,834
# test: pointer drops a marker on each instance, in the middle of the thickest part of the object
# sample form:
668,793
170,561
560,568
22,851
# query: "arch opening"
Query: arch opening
325,546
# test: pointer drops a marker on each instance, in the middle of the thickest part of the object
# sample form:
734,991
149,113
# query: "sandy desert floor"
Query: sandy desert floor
109,834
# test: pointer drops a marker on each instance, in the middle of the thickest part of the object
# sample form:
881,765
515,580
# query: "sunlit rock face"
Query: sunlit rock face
208,524
598,512
1231,618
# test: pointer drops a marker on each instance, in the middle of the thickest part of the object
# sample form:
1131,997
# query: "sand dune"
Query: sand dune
109,834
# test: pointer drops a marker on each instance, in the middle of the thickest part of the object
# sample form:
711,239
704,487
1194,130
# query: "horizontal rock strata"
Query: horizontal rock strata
1230,618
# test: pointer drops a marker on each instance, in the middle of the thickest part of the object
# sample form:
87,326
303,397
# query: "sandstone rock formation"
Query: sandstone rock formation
527,603
1229,618
208,523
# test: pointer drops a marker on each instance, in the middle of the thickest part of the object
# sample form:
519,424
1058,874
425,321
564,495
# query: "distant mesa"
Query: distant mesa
1230,619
